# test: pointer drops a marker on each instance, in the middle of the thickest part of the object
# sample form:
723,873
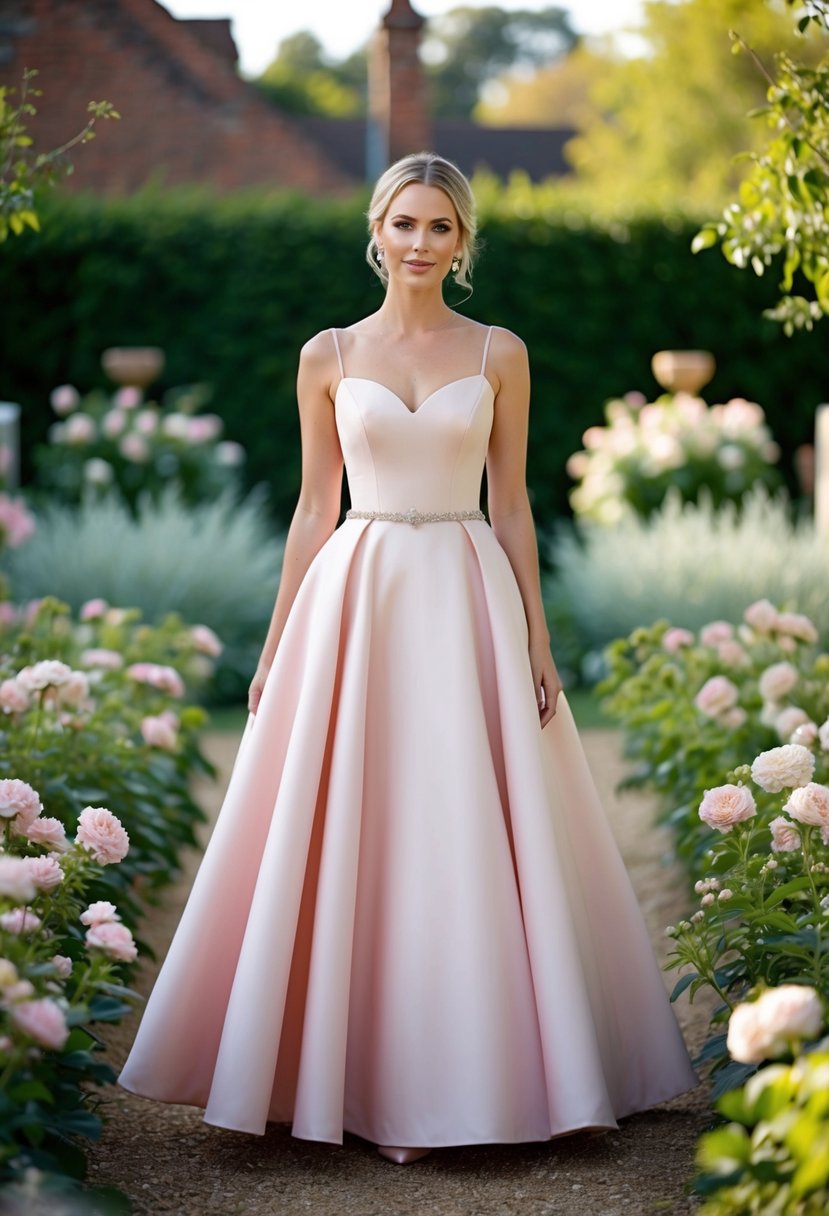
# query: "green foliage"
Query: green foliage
216,564
687,564
467,47
302,80
783,204
22,169
232,287
667,125
773,1155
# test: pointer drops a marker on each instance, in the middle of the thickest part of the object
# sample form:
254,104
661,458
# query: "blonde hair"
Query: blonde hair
427,169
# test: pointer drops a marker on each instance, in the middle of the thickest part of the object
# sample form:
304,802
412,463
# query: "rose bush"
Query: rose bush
120,442
678,441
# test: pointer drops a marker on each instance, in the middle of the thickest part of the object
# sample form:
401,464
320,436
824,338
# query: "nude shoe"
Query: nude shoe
402,1156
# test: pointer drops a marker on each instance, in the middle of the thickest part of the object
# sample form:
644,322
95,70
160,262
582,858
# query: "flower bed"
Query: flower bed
730,727
97,749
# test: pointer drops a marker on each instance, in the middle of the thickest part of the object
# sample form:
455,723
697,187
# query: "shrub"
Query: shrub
688,563
676,442
122,443
216,563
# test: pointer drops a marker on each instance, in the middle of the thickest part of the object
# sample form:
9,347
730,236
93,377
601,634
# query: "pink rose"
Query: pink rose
128,397
675,638
716,696
64,398
206,641
75,690
102,834
796,625
99,656
158,676
146,422
45,872
79,429
716,632
92,610
134,447
734,717
785,837
788,720
731,653
20,921
8,614
783,768
48,831
761,616
726,805
158,732
809,804
18,801
99,913
114,423
15,880
778,680
63,965
42,1020
14,699
204,428
823,735
113,939
17,524
806,733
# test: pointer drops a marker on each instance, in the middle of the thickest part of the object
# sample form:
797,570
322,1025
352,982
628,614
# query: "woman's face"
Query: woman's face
419,235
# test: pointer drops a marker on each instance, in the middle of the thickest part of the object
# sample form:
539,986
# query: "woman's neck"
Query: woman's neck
407,312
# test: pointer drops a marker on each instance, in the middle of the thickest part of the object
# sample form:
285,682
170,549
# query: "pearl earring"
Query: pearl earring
456,264
379,257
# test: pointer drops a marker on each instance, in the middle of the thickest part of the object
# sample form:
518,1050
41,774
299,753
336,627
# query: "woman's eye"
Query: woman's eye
401,224
441,227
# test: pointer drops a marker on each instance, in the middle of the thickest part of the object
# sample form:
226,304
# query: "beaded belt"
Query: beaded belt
412,516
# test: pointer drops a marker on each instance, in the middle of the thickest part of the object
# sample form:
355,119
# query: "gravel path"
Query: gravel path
170,1161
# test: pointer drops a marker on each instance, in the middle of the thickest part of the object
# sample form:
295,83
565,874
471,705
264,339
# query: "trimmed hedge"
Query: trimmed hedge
232,287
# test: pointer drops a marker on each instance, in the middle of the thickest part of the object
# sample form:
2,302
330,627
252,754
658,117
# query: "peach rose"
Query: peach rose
716,696
778,680
809,804
102,834
113,939
767,1027
783,768
42,1020
726,805
785,837
796,625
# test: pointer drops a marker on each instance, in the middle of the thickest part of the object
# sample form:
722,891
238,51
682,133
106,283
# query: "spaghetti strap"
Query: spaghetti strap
486,349
337,349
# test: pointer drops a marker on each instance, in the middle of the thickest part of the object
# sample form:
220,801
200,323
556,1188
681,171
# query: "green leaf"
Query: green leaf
30,1090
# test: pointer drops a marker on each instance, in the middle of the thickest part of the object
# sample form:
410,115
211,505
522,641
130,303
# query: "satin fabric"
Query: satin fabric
411,921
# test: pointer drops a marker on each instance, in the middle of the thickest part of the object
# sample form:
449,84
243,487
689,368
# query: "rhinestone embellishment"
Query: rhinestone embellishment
415,517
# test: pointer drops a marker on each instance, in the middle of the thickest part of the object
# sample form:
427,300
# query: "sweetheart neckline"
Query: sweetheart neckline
392,393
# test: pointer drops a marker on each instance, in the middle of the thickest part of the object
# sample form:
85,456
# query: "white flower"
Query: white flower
98,472
788,720
766,1027
761,616
809,804
778,680
716,696
727,805
783,768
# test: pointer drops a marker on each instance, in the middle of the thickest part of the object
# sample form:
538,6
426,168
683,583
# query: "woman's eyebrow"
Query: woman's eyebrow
442,219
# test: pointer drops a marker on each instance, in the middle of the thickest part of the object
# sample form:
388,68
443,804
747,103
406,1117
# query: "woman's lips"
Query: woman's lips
420,265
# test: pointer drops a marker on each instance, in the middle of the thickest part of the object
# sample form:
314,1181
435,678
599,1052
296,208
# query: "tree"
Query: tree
783,205
302,80
667,125
467,47
556,95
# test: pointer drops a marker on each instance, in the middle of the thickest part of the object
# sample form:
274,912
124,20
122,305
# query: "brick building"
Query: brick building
187,116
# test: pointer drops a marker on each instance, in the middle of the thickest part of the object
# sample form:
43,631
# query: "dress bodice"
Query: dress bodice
431,458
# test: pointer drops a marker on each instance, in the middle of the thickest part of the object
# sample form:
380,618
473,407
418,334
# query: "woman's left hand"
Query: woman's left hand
546,681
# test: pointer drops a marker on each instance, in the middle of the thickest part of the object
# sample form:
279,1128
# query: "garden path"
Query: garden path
170,1161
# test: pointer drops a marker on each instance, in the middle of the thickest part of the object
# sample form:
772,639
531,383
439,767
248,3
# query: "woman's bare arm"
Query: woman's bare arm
318,505
509,505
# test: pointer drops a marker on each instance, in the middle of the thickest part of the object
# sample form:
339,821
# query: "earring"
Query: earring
456,264
379,257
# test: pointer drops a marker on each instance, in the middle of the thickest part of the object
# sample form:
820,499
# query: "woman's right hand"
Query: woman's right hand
256,686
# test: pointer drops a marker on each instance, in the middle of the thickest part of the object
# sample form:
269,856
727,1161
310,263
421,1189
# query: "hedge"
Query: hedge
232,287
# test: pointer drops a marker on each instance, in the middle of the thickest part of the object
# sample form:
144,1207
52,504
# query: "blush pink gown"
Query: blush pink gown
411,921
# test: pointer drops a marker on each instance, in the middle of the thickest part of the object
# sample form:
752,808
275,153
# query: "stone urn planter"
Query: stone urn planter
136,366
683,371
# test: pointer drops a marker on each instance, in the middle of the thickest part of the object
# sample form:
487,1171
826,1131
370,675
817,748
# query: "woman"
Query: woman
411,921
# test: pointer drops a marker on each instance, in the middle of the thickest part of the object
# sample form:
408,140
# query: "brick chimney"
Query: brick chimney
398,107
